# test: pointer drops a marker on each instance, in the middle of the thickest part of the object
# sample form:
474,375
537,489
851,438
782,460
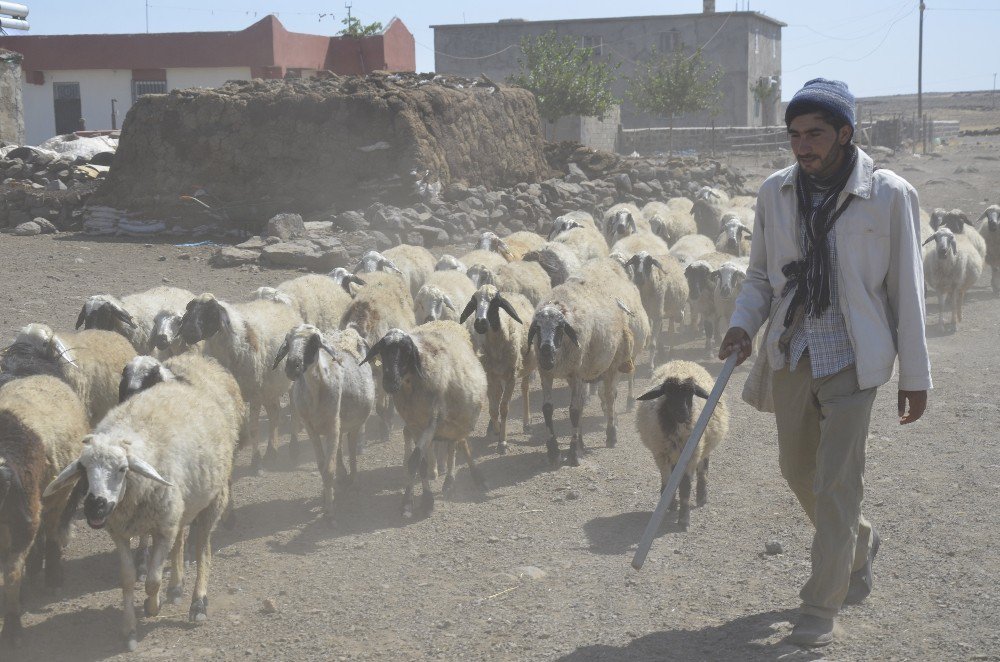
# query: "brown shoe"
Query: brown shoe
812,631
861,579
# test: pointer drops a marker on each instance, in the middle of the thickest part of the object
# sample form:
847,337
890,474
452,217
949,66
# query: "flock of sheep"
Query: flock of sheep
139,415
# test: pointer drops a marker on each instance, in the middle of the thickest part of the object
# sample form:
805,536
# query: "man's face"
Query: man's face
818,147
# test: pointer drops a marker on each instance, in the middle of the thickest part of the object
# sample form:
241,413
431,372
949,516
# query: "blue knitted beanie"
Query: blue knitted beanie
829,95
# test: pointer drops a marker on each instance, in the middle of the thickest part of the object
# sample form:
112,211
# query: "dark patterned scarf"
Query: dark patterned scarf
811,275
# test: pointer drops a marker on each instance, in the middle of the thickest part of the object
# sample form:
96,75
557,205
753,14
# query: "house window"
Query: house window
670,41
141,87
595,44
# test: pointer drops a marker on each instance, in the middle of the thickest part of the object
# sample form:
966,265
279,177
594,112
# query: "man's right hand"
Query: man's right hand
736,340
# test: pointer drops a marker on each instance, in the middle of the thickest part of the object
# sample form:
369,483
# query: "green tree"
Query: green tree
565,78
674,84
354,28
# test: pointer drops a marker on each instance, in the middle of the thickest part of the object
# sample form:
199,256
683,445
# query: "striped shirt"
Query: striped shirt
825,337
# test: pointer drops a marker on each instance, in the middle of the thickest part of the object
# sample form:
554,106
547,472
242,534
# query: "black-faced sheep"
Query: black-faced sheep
951,266
664,292
441,296
133,316
989,230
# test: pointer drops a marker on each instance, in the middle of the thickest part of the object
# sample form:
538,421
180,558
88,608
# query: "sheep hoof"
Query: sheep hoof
130,642
174,594
684,520
151,607
199,610
612,439
255,464
449,485
427,503
270,457
552,450
502,448
571,457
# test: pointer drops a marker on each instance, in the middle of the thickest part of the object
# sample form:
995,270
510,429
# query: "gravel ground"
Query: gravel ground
537,568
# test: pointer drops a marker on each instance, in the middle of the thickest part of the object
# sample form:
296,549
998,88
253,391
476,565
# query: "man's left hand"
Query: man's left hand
918,403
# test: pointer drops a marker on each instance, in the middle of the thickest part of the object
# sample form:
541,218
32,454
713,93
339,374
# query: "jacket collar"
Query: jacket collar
859,183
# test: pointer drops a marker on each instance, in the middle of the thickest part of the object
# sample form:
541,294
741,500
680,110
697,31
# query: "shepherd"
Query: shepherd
836,273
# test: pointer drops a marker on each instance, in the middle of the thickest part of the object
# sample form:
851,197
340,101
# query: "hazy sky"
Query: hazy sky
871,44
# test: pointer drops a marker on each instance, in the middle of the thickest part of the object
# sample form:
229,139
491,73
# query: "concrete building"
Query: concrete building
746,45
68,77
11,104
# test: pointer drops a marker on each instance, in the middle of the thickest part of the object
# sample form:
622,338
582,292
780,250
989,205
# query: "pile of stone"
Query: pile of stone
42,191
460,213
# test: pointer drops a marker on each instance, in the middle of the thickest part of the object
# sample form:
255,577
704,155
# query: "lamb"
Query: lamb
951,267
664,291
734,238
669,224
90,361
581,337
332,393
728,280
586,243
702,292
165,337
132,316
158,462
439,388
557,260
665,419
988,230
416,262
624,221
450,262
708,208
383,304
505,353
441,295
245,338
41,424
319,300
690,247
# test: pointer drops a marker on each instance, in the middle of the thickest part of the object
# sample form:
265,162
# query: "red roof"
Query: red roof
264,46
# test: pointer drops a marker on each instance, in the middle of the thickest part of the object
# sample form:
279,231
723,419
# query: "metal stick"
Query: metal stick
675,476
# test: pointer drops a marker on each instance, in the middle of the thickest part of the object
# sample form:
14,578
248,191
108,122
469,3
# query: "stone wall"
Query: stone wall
11,103
648,142
300,145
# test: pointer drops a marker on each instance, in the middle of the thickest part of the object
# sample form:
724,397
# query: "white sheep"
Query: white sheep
582,336
734,237
586,243
687,249
665,418
642,241
345,279
583,217
158,462
441,295
557,260
416,263
989,230
133,316
702,293
525,278
245,338
42,423
505,353
956,220
709,205
439,388
319,300
670,224
951,267
489,241
625,220
664,291
450,262
728,281
488,259
90,361
333,395
523,242
382,304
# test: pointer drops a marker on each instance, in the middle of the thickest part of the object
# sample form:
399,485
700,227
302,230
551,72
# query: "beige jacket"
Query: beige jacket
881,277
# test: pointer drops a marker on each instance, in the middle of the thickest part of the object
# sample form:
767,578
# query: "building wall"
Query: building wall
596,133
743,44
98,88
11,102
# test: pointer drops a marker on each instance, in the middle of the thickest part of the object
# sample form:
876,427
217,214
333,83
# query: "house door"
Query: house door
67,107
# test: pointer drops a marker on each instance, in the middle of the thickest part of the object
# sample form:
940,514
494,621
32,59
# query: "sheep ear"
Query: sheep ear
449,303
143,468
930,238
346,283
417,363
700,392
469,309
652,395
571,332
532,330
984,215
632,261
67,478
656,263
373,352
325,346
507,308
282,353
83,311
62,351
391,266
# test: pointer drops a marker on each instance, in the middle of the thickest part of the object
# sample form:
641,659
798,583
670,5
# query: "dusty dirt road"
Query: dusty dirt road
455,587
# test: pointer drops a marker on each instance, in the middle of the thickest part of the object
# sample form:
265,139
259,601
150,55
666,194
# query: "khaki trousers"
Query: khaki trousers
822,434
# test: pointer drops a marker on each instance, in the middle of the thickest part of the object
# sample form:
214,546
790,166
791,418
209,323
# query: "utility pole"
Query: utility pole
147,16
993,94
920,79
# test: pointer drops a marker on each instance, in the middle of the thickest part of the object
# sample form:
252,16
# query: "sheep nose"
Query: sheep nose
479,325
160,342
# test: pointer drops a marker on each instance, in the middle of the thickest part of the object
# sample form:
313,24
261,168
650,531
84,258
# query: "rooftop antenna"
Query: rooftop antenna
147,16
348,6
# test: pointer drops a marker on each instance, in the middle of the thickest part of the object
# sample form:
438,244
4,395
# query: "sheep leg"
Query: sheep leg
273,410
667,468
202,544
449,479
329,471
525,402
293,430
654,343
154,574
175,587
577,398
551,445
709,333
54,576
960,301
127,575
684,513
408,493
494,391
419,458
477,474
508,392
253,424
995,279
13,571
609,393
941,311
701,496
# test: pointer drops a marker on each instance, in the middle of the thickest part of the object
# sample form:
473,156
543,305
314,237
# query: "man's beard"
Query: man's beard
826,164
